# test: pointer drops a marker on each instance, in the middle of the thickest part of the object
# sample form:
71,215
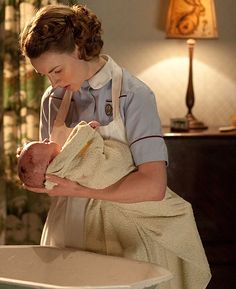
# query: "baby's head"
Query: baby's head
33,160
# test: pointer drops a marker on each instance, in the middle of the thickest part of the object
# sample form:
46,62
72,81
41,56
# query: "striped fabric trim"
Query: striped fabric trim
150,136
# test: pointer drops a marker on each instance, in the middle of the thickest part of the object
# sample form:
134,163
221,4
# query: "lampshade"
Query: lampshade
191,19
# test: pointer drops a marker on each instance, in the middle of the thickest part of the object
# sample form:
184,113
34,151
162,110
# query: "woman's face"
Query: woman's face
64,70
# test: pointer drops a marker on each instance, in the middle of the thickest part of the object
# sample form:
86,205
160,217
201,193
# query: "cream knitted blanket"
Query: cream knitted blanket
90,160
158,232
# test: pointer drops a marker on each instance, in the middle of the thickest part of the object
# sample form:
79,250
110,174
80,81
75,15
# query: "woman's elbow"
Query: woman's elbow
160,186
156,179
159,192
157,189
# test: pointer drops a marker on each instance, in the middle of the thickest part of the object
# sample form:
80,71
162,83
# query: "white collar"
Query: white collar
103,76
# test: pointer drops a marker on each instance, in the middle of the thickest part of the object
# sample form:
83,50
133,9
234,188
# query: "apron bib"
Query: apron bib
60,131
64,226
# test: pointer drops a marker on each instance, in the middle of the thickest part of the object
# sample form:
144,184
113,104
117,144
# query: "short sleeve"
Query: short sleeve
143,126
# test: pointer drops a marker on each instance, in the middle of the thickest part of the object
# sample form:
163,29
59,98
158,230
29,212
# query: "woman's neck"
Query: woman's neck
95,66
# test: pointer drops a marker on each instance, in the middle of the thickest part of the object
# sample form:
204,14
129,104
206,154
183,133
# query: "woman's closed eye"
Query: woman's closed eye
57,71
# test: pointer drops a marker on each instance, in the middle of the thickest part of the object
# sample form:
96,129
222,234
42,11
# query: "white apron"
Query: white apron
64,226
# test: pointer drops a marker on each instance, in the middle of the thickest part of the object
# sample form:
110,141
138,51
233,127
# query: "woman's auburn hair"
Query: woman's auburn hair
60,28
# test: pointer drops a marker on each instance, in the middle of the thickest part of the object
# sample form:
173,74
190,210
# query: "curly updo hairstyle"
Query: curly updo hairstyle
59,28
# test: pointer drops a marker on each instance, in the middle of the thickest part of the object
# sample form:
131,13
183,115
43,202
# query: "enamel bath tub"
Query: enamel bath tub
24,267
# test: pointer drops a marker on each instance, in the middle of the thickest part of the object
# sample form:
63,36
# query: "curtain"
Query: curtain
2,194
22,213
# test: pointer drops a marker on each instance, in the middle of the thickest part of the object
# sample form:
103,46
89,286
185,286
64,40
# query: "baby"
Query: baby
85,157
34,158
33,161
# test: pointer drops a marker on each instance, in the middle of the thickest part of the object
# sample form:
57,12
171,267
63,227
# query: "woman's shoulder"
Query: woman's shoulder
132,83
132,86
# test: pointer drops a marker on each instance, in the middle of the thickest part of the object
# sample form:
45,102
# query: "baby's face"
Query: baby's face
33,161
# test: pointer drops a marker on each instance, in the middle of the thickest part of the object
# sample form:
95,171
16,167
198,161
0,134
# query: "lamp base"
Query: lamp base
195,124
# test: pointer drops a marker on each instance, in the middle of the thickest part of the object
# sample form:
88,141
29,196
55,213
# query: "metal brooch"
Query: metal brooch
108,109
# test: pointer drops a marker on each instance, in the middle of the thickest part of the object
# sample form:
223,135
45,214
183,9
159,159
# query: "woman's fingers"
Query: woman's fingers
62,187
36,190
55,179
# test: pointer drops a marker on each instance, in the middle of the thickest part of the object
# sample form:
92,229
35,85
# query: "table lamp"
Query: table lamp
191,19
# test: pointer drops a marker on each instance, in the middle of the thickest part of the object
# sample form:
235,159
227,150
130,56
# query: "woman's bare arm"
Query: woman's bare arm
148,183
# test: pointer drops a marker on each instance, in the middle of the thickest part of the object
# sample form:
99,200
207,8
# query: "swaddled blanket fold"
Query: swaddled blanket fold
90,160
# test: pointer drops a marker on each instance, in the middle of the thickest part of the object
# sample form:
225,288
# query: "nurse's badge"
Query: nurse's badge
108,109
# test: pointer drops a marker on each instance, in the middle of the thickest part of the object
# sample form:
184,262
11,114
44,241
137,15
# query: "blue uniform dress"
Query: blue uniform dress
93,101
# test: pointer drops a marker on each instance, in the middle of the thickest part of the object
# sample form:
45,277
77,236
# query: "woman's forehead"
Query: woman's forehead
48,61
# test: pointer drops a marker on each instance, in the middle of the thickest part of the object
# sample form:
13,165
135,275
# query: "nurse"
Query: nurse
64,43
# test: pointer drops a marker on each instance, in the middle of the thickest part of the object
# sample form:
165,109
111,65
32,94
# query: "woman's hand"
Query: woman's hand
62,187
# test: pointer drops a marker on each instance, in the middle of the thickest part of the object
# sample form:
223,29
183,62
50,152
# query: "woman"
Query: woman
137,217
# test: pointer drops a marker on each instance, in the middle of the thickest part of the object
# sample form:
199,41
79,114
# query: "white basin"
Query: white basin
24,267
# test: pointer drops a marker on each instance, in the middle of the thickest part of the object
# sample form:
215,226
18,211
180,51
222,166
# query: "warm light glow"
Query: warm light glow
191,19
168,79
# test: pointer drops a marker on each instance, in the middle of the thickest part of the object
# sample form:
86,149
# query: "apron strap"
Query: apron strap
63,109
116,89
